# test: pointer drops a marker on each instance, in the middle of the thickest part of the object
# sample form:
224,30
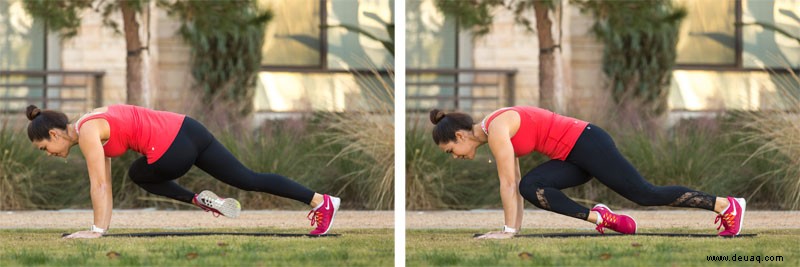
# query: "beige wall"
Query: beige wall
174,69
585,72
509,45
97,47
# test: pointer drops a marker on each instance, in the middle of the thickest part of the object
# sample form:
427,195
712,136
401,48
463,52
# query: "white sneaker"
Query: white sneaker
209,201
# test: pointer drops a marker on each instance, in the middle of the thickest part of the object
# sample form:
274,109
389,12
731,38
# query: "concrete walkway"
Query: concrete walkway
347,219
689,219
150,218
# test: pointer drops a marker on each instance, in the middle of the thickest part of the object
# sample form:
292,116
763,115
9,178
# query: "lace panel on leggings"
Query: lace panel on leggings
542,199
695,200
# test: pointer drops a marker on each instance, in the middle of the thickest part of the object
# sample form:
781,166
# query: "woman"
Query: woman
578,151
170,144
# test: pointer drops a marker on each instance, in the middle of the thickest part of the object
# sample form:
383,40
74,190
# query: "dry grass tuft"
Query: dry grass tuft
366,133
778,133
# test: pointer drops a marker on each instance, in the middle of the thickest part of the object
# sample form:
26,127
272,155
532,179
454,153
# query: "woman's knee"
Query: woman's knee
527,187
138,171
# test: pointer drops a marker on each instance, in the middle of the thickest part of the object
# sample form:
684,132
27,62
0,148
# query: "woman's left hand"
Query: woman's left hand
84,234
496,235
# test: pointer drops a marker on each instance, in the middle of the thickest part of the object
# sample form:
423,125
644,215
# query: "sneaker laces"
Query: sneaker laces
207,209
315,217
608,219
725,220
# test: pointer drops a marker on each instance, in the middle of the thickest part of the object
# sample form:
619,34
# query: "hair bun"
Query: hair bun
436,116
32,112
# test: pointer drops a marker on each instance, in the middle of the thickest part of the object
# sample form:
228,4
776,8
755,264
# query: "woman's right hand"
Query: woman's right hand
84,234
496,235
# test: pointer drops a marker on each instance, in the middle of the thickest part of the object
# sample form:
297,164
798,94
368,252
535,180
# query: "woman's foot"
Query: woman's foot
209,201
323,216
621,223
732,218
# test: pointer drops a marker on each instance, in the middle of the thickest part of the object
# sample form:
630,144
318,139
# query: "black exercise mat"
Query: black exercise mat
160,234
565,235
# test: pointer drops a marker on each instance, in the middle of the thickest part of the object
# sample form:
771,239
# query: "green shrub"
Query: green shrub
17,157
435,180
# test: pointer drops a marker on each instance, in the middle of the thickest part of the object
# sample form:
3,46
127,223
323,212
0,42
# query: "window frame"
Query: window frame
738,64
323,53
46,52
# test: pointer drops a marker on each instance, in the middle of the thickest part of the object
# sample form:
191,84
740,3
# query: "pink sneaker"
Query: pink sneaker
732,218
209,201
621,223
323,216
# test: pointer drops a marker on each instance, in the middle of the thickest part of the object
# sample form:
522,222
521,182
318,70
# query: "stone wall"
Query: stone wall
174,76
98,47
511,46
588,83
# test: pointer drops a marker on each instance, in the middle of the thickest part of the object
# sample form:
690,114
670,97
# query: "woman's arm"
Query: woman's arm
504,155
99,168
520,200
503,151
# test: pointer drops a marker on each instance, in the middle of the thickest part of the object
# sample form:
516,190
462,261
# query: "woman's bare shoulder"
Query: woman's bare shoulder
506,115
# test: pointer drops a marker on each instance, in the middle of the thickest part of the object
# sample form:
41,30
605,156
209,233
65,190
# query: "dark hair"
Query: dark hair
42,121
447,124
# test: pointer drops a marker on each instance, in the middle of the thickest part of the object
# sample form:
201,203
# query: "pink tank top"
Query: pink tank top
542,131
143,130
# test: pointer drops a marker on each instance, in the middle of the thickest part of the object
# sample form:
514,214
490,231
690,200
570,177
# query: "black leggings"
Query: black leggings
595,154
194,145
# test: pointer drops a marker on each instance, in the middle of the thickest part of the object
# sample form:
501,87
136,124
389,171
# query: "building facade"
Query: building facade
314,57
724,60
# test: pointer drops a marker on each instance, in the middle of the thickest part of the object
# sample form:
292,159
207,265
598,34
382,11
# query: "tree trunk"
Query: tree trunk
136,77
550,73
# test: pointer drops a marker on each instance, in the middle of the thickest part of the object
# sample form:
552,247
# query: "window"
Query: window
439,59
22,41
297,36
23,47
707,34
293,36
432,36
349,49
726,60
765,48
319,54
729,34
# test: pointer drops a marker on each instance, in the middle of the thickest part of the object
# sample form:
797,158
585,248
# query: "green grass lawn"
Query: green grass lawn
25,247
458,248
